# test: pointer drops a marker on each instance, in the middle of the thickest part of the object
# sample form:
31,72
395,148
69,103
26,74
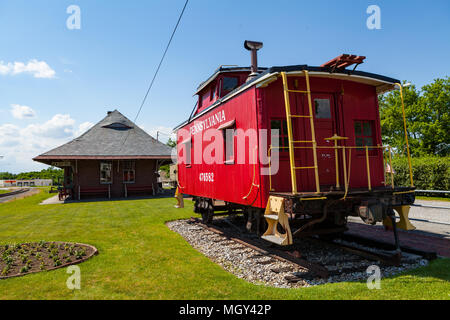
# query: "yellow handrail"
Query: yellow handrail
406,134
289,117
313,132
346,172
347,182
368,169
290,134
391,168
253,179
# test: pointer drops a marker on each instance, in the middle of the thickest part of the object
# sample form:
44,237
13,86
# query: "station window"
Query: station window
105,172
229,84
128,171
322,108
282,135
364,134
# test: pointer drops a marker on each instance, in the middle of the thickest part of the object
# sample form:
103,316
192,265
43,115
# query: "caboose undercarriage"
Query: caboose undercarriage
290,216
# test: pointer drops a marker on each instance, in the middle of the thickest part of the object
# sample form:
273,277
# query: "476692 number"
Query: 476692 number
206,177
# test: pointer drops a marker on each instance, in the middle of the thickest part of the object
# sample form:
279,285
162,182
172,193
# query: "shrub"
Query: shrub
5,270
429,173
24,269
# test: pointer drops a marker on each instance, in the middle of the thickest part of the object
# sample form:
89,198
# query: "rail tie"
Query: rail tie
270,252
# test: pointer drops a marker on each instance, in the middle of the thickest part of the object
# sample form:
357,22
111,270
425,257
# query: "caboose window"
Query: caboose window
322,107
187,152
229,84
213,93
364,134
281,126
229,131
229,134
205,99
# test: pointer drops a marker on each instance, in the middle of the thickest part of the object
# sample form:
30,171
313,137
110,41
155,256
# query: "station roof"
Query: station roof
114,137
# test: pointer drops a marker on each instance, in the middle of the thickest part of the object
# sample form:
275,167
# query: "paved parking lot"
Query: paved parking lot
432,220
429,217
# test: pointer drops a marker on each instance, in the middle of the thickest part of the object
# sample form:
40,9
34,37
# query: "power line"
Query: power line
162,59
159,66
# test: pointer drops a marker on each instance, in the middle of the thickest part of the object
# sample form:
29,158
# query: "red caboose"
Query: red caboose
297,146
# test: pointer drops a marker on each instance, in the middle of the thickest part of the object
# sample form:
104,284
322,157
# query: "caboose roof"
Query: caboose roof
222,70
114,137
380,82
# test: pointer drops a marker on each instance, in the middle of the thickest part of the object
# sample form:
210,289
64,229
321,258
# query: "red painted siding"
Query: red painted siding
231,182
255,108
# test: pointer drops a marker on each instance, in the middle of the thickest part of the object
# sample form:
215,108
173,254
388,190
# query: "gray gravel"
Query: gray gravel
251,265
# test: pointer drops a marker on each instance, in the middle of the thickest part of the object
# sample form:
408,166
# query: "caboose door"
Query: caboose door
325,127
324,123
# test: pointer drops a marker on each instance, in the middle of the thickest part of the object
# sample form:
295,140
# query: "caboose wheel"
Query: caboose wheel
207,215
206,209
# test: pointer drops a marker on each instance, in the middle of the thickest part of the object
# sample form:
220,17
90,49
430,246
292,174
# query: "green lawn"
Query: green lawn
5,191
140,258
432,198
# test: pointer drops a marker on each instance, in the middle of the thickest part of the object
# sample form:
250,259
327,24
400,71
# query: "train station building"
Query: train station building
114,159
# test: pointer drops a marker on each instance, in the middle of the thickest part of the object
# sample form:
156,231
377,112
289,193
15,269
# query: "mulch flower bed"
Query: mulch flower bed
25,258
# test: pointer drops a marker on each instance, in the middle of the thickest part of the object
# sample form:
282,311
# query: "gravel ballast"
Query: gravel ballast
258,268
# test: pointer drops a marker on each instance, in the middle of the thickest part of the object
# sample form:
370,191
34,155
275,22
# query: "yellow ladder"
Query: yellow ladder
289,117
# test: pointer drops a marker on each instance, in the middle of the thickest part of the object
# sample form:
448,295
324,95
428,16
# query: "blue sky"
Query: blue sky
56,82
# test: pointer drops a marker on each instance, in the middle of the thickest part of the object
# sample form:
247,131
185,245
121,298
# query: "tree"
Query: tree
427,116
166,168
435,127
171,143
49,173
7,175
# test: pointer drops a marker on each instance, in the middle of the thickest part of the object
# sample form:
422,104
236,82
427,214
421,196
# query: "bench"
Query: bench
64,193
94,191
137,189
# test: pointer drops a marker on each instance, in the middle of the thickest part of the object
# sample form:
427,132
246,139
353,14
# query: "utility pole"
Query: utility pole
1,157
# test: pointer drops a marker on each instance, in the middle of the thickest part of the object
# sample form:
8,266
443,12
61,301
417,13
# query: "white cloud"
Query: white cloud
162,133
19,145
9,134
82,128
22,112
61,125
39,69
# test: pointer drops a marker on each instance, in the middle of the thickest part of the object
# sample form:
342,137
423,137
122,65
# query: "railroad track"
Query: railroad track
382,245
12,193
268,251
359,252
